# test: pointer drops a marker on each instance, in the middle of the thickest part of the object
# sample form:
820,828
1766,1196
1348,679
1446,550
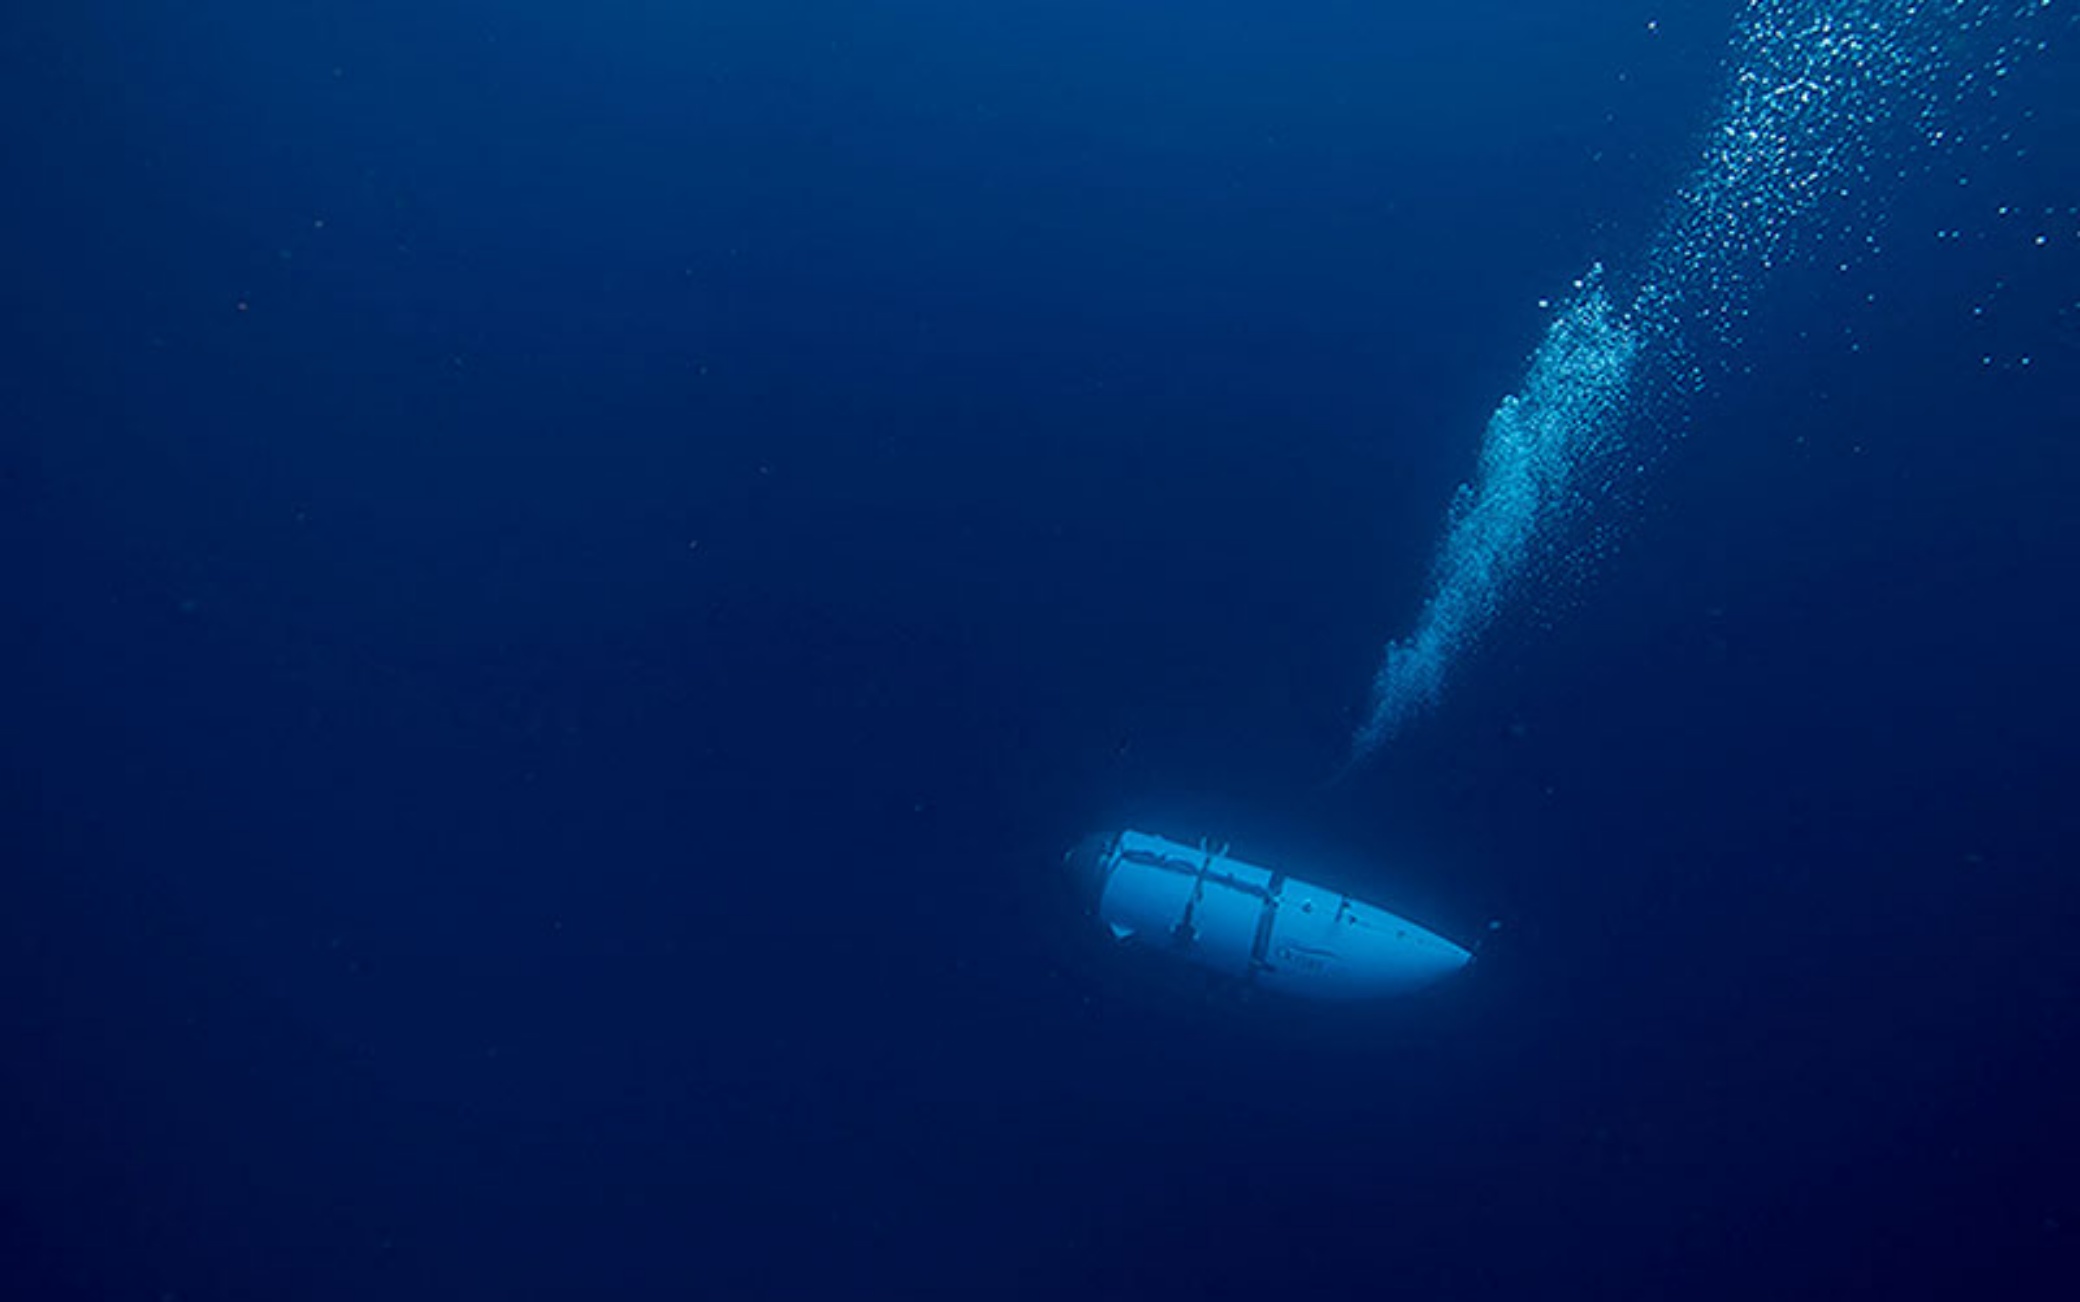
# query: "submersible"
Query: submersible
1256,924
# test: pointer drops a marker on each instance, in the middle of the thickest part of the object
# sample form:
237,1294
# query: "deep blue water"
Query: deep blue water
574,568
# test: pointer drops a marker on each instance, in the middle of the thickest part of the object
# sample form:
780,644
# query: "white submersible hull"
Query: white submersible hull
1255,924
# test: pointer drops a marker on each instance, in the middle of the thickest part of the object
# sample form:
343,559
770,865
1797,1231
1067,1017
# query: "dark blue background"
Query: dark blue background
572,569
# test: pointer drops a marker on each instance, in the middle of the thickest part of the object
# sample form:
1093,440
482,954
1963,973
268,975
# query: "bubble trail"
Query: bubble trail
1816,90
1536,443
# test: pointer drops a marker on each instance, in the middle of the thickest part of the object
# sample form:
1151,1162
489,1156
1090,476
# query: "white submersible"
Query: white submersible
1257,925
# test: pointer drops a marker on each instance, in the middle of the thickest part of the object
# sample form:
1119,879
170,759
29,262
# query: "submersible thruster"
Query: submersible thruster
1255,924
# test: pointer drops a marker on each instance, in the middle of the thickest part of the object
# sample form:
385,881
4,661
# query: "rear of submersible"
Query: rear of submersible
1255,924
